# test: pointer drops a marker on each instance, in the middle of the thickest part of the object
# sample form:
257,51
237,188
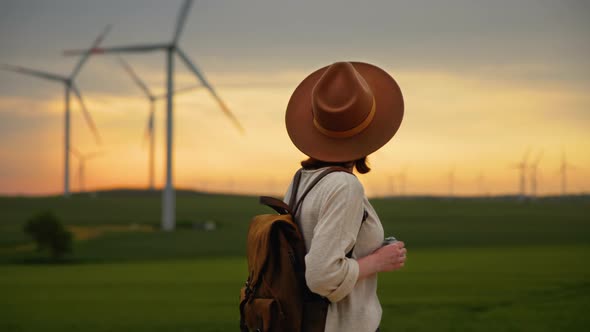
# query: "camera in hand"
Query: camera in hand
389,240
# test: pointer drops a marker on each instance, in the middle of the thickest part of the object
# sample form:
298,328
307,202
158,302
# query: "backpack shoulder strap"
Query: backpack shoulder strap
296,181
315,181
276,204
294,189
280,206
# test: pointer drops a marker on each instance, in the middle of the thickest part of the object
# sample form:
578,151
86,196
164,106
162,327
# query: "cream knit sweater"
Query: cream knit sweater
331,217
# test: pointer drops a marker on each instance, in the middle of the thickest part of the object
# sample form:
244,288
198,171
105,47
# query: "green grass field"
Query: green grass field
473,265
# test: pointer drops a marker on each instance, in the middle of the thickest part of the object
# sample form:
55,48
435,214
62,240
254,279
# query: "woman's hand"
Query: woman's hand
385,259
390,257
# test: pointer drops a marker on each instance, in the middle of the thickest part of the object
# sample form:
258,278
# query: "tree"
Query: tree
48,233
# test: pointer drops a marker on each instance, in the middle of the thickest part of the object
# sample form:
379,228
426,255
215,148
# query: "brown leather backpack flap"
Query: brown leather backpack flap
259,241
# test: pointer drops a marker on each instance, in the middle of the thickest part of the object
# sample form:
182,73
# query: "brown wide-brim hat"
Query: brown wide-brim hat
344,111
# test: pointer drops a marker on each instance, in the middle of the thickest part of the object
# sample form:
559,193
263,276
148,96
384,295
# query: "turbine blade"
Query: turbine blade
135,78
75,152
527,152
180,90
181,19
85,56
33,72
538,158
118,49
204,81
94,155
87,115
149,130
188,89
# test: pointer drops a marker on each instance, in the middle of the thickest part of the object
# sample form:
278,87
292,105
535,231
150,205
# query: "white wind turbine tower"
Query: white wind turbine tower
534,167
171,48
522,167
152,98
480,183
563,168
70,86
402,176
82,159
451,175
392,185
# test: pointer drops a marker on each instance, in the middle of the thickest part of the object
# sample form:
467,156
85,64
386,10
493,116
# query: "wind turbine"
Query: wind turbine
171,48
451,175
521,167
82,159
534,169
392,185
563,168
70,86
152,98
481,187
402,181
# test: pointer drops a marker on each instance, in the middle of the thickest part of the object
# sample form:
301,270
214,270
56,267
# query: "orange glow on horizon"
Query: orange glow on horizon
478,127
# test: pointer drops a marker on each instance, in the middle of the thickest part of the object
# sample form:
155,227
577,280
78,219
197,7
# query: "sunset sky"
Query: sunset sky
483,81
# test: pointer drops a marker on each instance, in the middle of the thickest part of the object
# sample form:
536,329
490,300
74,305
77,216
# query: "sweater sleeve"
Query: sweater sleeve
328,271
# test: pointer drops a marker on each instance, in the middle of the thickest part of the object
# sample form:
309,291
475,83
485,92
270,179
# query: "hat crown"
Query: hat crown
341,99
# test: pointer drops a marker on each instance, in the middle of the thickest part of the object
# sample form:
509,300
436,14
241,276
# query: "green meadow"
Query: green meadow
473,265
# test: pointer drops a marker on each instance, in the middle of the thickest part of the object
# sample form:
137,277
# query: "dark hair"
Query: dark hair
361,164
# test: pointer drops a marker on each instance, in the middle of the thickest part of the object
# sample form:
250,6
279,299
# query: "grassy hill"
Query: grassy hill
422,223
473,265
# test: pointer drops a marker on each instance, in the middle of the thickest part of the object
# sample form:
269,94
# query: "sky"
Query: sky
483,82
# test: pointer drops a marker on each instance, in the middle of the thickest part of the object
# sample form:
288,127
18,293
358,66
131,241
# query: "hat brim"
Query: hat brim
389,111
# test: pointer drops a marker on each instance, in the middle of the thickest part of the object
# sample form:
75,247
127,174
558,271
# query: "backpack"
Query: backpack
276,296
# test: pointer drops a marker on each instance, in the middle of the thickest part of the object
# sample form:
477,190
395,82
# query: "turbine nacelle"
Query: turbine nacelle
171,48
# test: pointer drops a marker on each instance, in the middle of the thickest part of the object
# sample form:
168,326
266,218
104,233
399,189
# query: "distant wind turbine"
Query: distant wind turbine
152,98
171,48
481,184
397,182
70,86
522,167
451,175
392,184
534,167
402,176
82,159
563,169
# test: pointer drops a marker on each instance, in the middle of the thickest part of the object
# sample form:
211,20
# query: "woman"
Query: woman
337,116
